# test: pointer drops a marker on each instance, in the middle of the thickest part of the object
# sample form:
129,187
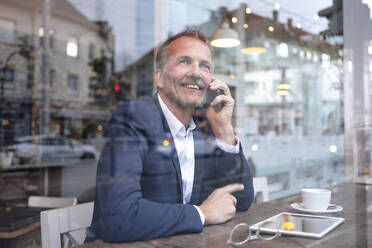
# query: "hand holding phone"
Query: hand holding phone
211,94
221,120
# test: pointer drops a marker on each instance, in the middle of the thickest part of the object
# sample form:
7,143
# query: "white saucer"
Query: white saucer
332,208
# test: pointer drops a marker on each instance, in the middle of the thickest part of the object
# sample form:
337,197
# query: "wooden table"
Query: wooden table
18,232
20,227
356,231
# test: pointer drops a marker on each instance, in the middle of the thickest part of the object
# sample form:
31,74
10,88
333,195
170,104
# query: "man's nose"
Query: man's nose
195,69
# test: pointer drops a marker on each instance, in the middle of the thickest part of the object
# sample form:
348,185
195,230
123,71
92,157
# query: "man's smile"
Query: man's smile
192,83
192,86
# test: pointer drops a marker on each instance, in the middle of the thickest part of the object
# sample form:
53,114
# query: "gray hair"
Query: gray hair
160,51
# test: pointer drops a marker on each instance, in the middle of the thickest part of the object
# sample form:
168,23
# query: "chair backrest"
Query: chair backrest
71,221
261,189
51,202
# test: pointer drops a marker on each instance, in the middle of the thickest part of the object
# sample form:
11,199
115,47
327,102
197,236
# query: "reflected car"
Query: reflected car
41,148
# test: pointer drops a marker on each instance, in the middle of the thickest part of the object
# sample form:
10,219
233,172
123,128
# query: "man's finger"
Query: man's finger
231,188
224,99
217,84
233,199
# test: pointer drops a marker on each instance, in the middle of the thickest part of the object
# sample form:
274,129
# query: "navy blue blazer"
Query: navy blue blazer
139,186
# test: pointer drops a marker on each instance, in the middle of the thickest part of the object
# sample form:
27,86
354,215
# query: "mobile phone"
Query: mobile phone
211,94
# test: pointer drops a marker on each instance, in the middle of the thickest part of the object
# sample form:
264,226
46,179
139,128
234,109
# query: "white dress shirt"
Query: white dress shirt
184,142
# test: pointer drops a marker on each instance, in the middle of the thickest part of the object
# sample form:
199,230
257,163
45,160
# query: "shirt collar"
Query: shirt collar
174,124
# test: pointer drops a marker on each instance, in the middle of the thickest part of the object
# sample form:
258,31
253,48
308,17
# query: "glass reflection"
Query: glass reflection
286,77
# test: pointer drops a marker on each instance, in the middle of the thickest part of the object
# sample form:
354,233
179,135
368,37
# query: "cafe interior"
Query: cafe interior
301,76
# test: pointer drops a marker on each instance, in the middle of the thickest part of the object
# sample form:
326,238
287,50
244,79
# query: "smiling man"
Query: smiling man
156,176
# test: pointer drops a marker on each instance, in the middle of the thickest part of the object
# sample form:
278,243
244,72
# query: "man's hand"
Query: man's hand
221,120
219,207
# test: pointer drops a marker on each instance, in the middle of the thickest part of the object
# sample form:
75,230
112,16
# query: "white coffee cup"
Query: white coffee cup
316,199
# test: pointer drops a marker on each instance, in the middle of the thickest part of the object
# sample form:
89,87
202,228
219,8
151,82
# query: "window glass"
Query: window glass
92,51
301,86
286,76
52,77
72,47
73,81
41,37
7,30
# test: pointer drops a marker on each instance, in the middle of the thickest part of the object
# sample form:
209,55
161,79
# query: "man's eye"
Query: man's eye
208,67
184,61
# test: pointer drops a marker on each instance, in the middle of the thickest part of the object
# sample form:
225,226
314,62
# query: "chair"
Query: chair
51,202
261,191
69,221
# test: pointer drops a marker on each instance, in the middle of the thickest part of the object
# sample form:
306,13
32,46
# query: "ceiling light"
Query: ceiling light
225,37
253,50
282,92
284,86
248,11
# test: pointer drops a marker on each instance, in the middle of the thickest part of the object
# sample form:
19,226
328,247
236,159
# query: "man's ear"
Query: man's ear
159,78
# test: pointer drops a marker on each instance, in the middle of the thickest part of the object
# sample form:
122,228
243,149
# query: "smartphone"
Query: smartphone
211,94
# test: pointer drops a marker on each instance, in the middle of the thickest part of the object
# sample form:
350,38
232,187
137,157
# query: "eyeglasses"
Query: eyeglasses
238,233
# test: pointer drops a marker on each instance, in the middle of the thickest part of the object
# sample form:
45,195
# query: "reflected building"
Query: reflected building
289,97
302,92
289,100
76,45
273,55
281,67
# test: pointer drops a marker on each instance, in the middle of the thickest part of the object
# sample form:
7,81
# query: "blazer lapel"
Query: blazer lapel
168,136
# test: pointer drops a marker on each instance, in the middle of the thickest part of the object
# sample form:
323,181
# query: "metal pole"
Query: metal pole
1,106
46,69
2,99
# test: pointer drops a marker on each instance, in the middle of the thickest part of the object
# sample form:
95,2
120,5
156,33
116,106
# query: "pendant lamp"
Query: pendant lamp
225,37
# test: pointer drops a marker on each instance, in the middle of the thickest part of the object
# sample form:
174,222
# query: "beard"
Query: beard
177,97
198,81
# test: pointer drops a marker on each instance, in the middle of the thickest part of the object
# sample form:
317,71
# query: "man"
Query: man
156,176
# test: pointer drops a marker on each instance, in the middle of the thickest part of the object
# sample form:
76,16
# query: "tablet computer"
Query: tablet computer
312,226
